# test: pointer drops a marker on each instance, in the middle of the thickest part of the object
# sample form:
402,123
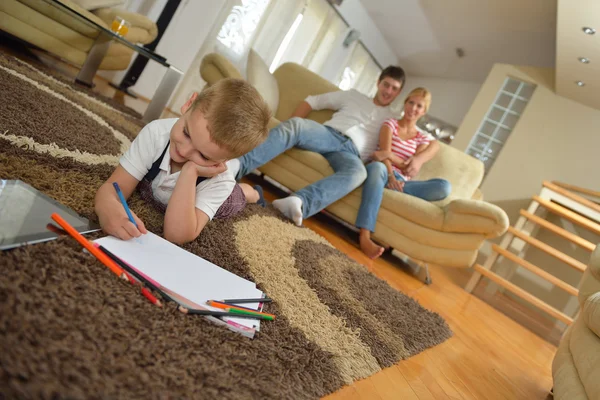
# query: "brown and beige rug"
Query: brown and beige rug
70,329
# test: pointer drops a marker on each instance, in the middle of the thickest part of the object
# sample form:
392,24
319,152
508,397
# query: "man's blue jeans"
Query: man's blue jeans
372,193
306,134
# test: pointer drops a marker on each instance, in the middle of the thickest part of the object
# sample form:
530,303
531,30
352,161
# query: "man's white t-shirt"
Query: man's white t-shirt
147,148
356,117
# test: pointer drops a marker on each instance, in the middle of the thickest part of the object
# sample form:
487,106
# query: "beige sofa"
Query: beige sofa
576,366
448,232
51,29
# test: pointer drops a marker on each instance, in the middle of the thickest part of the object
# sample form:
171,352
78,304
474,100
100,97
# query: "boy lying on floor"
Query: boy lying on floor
181,163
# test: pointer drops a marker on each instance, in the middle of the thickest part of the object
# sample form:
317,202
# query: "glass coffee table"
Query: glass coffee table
98,51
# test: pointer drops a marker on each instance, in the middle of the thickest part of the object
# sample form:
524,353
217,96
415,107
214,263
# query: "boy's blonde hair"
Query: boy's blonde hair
422,92
236,114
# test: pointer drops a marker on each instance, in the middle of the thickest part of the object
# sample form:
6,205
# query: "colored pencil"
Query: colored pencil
259,315
110,262
103,258
151,297
240,301
219,313
124,202
139,276
229,308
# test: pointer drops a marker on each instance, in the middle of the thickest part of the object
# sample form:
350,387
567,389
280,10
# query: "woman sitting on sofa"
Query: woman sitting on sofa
403,149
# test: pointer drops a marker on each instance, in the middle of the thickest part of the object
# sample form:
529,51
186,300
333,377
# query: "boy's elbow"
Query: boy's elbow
179,236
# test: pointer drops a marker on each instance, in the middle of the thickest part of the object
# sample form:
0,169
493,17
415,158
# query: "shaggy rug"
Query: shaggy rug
70,329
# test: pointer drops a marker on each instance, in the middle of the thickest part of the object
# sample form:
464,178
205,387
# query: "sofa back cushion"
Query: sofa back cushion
96,4
257,73
464,172
296,83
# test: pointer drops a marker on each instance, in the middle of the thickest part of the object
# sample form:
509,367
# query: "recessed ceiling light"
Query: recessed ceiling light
580,83
588,30
584,60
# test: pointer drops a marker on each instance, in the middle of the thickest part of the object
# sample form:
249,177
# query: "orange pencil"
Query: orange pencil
228,307
103,258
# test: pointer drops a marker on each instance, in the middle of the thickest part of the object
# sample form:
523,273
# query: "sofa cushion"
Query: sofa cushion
296,83
567,385
464,172
95,4
585,350
591,313
61,17
42,31
257,73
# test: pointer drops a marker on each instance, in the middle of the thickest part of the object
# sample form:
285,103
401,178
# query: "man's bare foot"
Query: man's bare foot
370,248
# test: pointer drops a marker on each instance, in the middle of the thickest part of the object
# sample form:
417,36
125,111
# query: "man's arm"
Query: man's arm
385,144
427,151
302,110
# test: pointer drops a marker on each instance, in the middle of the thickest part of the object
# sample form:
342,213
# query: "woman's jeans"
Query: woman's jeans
372,192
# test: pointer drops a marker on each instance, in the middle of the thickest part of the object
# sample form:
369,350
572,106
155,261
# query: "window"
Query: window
308,33
360,73
500,120
242,21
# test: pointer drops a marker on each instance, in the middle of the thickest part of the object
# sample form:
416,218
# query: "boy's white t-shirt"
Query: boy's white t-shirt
149,145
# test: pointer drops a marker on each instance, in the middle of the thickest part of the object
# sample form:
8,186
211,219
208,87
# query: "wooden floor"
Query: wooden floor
490,355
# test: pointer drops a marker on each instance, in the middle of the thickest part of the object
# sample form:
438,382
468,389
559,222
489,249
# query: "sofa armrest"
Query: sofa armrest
143,30
477,195
591,313
474,216
215,67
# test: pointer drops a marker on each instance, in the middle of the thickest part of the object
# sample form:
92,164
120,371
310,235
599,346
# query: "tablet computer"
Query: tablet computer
25,213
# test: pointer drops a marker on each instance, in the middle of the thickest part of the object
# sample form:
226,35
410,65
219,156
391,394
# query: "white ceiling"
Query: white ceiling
424,34
572,43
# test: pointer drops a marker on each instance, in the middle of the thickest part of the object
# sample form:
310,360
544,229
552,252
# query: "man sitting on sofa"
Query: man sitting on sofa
347,141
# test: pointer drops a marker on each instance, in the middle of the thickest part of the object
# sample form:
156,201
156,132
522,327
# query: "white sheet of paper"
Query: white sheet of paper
182,272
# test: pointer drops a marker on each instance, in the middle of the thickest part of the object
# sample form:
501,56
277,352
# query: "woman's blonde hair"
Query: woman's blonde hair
422,92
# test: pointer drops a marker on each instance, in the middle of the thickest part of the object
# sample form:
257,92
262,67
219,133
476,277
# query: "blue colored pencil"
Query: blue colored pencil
124,202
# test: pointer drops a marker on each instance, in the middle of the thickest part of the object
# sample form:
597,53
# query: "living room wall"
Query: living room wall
555,139
451,99
358,18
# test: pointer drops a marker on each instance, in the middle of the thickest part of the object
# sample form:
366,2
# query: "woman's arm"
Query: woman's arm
424,153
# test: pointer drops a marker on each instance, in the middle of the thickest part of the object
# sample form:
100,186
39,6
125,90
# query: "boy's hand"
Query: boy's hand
114,221
205,172
395,184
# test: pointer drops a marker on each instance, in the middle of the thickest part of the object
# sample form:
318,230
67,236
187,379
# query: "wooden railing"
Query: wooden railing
572,207
577,189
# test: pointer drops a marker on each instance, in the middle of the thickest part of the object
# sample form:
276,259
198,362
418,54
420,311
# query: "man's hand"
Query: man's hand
381,155
412,167
395,184
205,172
